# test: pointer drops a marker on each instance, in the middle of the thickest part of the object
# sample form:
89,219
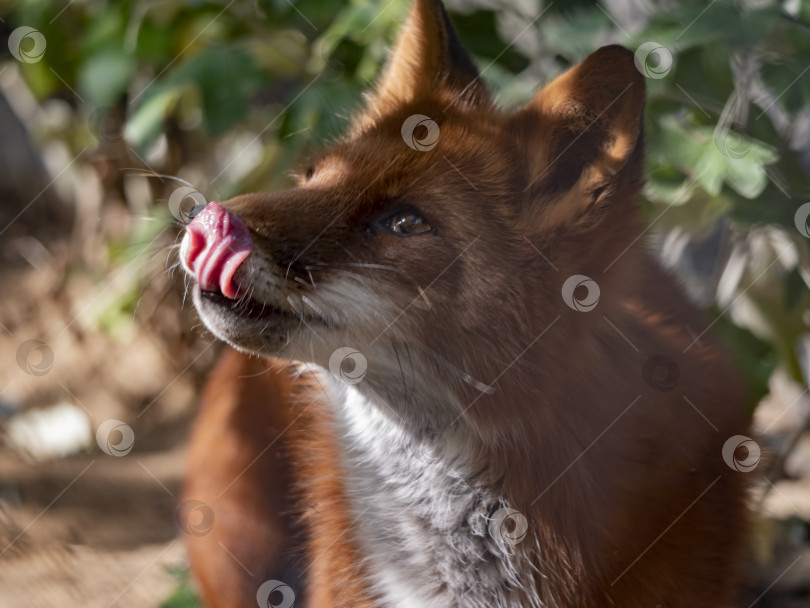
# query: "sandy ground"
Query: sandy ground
91,529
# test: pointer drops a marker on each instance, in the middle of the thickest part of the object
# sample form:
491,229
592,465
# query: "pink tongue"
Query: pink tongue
217,243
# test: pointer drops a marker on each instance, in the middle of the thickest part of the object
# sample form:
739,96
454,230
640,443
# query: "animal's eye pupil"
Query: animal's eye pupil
310,172
409,223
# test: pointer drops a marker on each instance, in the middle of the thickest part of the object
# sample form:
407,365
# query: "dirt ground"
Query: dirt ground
91,529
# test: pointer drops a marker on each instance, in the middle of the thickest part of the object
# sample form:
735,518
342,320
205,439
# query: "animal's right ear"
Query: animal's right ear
581,138
427,58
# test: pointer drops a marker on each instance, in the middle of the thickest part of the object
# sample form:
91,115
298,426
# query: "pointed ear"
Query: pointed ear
426,58
582,138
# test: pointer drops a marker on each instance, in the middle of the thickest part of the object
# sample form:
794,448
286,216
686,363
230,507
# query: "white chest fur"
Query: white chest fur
422,521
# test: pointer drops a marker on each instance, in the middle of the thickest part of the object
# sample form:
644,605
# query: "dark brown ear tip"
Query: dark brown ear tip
616,57
618,64
615,50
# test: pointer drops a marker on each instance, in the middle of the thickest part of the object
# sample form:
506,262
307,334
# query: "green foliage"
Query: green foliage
184,596
691,150
222,78
754,358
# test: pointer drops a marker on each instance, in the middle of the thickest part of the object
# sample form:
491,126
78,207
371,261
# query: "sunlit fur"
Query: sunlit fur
473,357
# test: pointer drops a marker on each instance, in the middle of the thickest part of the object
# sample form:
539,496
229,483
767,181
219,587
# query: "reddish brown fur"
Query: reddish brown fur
232,470
570,406
261,427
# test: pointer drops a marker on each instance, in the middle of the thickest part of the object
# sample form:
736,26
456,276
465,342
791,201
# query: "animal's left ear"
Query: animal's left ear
427,58
581,137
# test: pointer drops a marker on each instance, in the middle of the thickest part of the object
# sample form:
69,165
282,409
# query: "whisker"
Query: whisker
244,300
261,373
266,325
311,304
248,296
130,247
170,250
185,292
160,176
463,375
362,280
399,271
157,251
162,298
141,217
300,315
328,290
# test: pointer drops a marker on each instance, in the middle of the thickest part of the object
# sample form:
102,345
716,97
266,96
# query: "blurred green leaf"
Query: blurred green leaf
184,596
146,125
225,78
697,151
104,78
753,357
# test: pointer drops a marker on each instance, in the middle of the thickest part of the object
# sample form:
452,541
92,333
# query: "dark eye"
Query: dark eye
408,222
309,173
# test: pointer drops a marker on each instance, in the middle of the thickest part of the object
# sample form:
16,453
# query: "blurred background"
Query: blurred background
116,117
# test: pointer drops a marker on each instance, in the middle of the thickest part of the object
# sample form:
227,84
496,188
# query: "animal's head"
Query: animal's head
435,237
